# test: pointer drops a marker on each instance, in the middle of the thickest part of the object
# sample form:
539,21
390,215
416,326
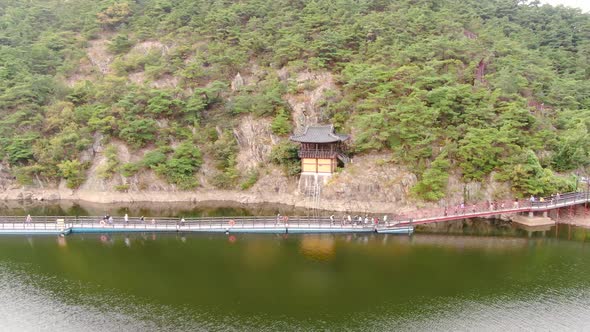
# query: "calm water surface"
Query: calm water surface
467,275
215,282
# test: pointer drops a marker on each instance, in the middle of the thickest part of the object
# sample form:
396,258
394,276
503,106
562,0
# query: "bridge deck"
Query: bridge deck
45,225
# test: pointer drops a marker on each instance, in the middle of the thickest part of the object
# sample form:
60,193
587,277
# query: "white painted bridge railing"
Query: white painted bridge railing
135,223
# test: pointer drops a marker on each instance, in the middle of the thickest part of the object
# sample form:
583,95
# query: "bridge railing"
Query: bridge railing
504,206
563,200
464,209
168,223
35,223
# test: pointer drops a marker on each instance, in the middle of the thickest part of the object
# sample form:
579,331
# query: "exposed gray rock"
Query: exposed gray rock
255,140
237,82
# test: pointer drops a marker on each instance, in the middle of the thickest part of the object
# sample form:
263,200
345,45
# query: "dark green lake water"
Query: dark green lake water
215,282
465,275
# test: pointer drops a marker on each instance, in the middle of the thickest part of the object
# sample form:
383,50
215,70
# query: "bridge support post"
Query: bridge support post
545,214
531,214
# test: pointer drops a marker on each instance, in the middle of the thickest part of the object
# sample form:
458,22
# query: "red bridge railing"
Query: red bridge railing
481,209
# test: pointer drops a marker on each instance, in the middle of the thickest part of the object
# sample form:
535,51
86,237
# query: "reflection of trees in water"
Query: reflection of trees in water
36,208
474,226
469,242
569,232
155,209
497,227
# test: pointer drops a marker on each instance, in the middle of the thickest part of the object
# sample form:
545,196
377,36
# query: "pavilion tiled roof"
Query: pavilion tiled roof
319,134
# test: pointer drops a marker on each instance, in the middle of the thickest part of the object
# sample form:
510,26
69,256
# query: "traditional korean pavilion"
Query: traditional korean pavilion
320,149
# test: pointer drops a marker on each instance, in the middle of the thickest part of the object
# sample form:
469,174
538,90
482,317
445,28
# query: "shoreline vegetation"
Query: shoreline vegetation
466,101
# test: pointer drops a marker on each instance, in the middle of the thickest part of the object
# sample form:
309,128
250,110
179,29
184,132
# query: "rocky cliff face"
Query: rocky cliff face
255,139
370,180
6,179
312,88
369,183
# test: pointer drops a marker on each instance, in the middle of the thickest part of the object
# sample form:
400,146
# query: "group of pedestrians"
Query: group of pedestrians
552,199
463,208
109,220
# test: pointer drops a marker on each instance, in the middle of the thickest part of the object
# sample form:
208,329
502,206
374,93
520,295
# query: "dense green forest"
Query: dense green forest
468,87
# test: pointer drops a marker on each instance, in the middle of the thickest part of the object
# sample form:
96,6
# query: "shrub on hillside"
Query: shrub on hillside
138,132
130,169
73,172
180,169
433,183
108,169
154,158
120,44
281,125
285,154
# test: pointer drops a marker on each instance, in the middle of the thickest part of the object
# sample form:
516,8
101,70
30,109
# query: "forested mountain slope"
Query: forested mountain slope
204,93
